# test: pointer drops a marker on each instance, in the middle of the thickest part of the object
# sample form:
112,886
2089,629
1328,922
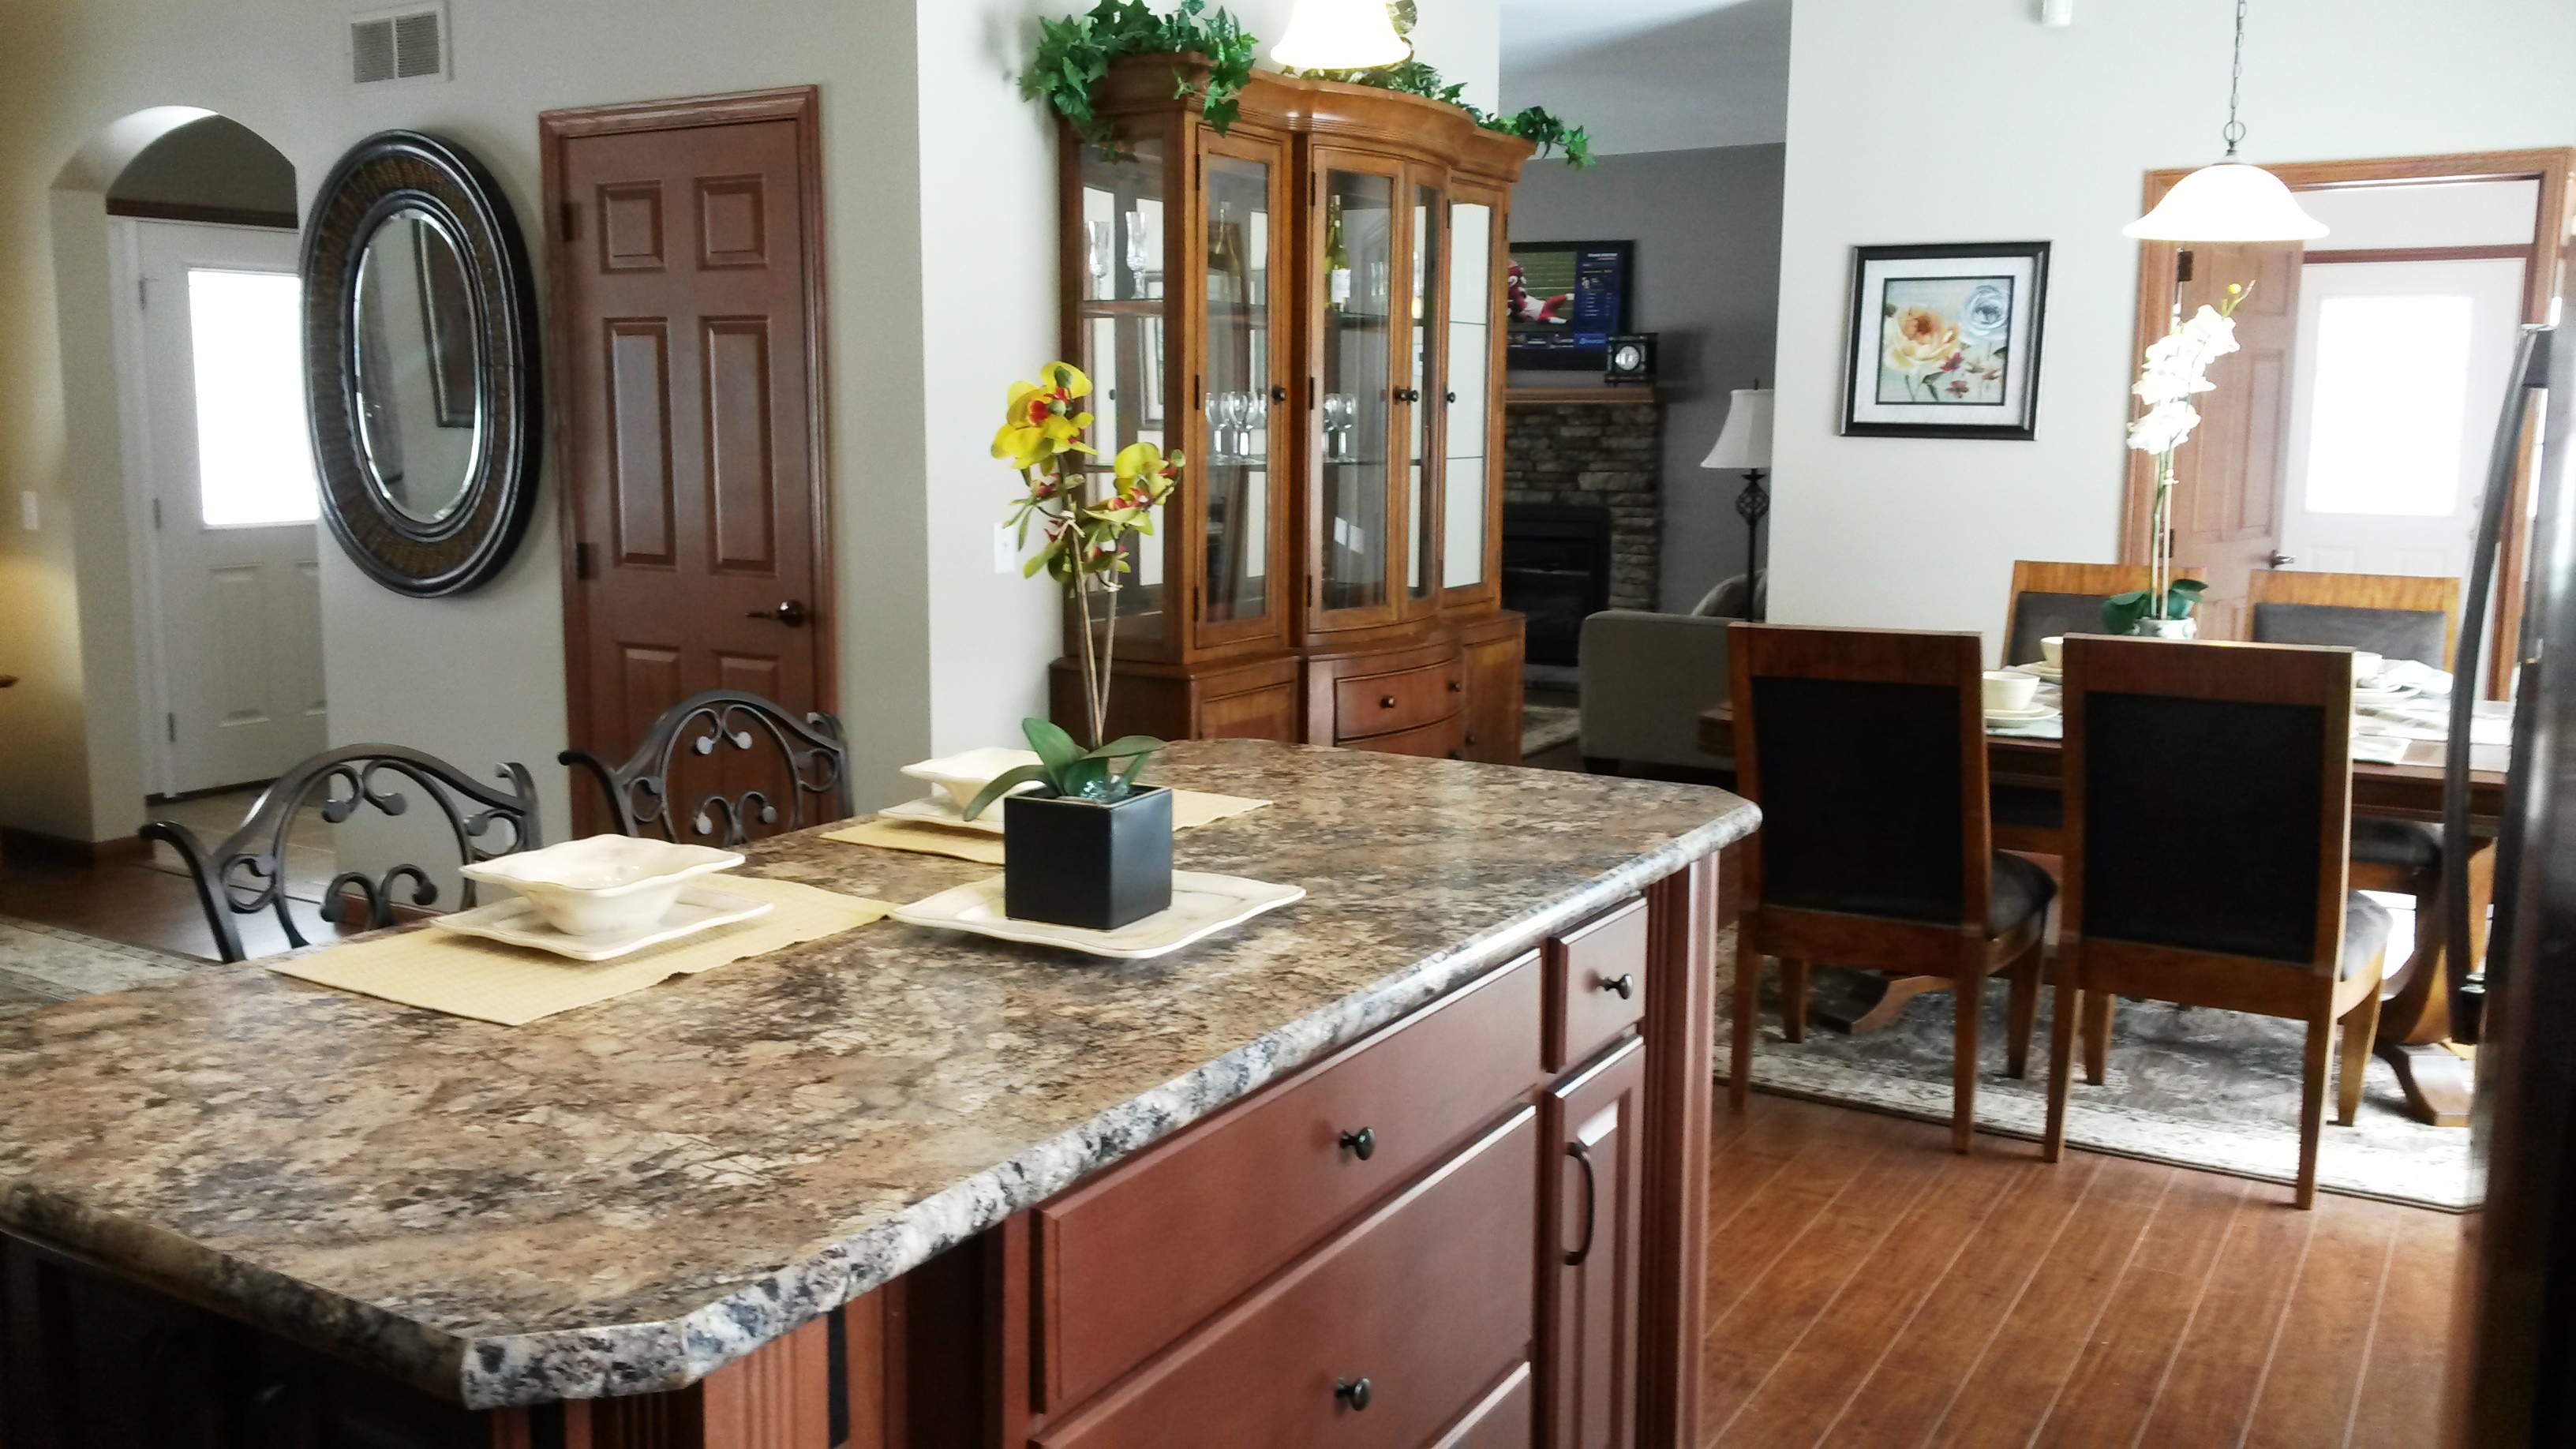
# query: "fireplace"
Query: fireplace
1556,570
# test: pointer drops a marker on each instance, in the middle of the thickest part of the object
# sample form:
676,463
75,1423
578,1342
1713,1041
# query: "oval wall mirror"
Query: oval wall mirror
421,369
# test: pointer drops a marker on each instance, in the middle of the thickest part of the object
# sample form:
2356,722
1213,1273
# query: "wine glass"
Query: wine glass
1139,255
1095,255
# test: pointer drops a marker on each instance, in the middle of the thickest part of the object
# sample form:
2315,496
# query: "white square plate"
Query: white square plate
1201,905
938,811
964,774
516,922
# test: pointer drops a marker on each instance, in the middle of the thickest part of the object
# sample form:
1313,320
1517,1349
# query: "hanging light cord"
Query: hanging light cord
2235,131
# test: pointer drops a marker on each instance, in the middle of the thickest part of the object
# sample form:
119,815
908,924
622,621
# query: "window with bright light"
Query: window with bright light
2391,403
254,462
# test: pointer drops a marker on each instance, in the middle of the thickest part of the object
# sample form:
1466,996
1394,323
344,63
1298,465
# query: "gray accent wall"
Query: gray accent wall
1707,228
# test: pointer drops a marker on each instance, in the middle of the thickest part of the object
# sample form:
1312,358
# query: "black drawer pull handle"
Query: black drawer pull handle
1625,983
1591,1203
1363,1145
1386,701
1354,1392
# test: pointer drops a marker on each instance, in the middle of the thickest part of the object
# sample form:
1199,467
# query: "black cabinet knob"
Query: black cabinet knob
1624,983
1455,686
1354,1392
1363,1145
1278,393
1449,397
1386,701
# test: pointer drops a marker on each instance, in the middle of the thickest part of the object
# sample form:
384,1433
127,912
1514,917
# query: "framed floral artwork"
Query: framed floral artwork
1945,341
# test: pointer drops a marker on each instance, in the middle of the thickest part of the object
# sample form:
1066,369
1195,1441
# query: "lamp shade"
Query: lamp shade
1340,35
2228,202
1745,441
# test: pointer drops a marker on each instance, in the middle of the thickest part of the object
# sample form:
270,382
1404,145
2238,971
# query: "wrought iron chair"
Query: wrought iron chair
816,761
245,872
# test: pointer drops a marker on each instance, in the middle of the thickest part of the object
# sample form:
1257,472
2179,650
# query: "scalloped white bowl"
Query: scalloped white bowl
606,883
967,772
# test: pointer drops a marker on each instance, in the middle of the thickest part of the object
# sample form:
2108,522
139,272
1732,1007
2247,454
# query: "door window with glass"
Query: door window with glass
1462,478
1241,393
1422,397
1358,264
1123,335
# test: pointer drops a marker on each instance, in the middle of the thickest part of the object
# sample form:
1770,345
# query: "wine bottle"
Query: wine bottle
1225,257
1337,262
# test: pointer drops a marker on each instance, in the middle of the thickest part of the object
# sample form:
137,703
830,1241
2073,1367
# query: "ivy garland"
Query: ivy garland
1076,51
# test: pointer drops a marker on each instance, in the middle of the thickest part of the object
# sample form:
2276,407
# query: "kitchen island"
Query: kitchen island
883,1187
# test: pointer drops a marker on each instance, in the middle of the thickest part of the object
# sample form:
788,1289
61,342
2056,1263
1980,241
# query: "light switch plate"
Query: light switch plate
1006,552
29,516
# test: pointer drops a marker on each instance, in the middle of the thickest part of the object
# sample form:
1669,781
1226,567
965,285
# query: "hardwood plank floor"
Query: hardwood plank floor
1869,1288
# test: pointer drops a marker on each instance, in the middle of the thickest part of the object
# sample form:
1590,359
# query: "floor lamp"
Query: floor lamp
1745,443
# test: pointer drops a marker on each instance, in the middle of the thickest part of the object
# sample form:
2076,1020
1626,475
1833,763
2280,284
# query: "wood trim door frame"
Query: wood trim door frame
803,106
2542,279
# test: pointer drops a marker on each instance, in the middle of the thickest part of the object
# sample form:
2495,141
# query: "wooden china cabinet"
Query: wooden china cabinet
1309,307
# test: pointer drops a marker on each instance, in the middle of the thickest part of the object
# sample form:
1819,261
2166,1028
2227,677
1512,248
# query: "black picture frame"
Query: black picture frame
1926,317
1599,289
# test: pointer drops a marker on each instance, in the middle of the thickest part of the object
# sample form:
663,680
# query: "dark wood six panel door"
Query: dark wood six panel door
687,300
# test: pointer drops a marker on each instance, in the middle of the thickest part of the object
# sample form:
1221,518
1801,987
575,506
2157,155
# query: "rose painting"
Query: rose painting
1945,340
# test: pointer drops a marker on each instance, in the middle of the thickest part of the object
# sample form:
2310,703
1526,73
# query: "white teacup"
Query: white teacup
2053,649
2365,664
2009,693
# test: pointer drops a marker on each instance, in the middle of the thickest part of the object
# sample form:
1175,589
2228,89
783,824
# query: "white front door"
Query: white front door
228,470
2401,372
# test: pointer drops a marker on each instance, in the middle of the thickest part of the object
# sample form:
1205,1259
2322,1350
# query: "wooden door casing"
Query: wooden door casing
2228,501
686,284
1588,1318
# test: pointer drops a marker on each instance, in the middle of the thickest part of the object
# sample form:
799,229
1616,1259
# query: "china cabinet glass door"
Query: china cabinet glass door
1356,293
1242,397
1420,398
1466,479
1122,336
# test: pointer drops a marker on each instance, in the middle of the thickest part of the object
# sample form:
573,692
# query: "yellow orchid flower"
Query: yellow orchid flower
1041,419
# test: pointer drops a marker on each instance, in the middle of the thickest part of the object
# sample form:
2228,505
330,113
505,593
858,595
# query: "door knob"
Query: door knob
2280,560
791,614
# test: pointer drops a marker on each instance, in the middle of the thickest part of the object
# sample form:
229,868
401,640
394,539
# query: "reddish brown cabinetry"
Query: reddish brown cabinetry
1590,1277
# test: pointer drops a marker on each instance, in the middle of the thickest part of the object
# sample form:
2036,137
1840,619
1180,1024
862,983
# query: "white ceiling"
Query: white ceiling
1652,75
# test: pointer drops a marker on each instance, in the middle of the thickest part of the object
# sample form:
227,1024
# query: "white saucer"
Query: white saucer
2379,698
1201,905
2021,716
516,922
939,811
2043,669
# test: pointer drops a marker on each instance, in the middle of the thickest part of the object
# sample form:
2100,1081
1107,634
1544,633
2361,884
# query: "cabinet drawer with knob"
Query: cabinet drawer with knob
1129,1261
1377,704
1379,1339
1596,984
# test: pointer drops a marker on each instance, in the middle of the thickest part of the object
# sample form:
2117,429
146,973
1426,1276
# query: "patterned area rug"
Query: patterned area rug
1546,726
40,965
2209,1089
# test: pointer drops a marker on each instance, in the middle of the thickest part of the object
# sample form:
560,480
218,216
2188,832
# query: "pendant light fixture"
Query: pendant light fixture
1340,35
2230,201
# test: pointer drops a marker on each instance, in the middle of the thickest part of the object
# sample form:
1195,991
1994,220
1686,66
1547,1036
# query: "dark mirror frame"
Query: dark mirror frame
379,177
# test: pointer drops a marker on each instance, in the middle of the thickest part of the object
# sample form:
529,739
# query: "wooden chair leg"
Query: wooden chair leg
2097,1036
2360,1029
2312,1106
1748,997
2025,1011
1968,997
2061,1059
1793,999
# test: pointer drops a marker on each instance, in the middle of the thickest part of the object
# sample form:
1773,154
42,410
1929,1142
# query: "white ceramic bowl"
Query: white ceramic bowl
2053,649
2365,665
605,883
2008,692
965,774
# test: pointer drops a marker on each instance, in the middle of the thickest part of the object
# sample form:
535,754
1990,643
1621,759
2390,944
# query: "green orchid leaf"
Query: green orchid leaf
1001,785
1085,779
1124,746
1127,780
2121,612
1053,745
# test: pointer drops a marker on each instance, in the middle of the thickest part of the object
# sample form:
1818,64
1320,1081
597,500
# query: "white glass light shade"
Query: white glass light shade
1745,441
1340,35
2228,202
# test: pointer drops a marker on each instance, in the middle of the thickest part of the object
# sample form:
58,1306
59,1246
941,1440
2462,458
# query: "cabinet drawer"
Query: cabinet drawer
1586,969
1378,704
1128,1263
1428,1299
1503,1419
1432,741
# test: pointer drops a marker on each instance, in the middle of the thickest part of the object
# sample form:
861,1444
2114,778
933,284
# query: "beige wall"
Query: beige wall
940,206
1973,123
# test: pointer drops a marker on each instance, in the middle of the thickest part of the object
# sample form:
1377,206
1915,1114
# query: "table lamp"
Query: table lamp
1745,443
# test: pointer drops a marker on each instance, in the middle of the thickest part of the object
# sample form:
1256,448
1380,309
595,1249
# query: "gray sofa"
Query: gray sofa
1645,679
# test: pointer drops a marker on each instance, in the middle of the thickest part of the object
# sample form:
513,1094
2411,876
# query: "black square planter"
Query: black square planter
1082,863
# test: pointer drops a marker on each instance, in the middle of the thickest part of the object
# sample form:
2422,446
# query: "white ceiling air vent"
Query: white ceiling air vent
404,44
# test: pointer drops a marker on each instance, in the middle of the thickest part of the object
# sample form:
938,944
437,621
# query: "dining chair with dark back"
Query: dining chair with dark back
246,872
2396,616
1866,751
2208,794
764,771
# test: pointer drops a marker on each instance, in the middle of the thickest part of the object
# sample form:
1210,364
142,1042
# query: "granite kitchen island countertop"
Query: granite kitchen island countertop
621,1198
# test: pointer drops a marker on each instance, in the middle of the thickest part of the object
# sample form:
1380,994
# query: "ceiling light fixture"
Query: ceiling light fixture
1340,35
2230,201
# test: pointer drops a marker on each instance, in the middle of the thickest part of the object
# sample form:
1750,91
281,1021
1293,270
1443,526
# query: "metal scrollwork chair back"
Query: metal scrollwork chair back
245,872
817,765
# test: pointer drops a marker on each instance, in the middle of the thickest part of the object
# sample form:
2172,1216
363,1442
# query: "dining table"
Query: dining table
2396,774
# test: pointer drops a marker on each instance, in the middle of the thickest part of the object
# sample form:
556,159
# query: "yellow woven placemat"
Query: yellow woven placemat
513,985
1190,809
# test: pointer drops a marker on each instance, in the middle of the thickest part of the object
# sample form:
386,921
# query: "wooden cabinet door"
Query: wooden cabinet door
1493,678
1588,1325
687,296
